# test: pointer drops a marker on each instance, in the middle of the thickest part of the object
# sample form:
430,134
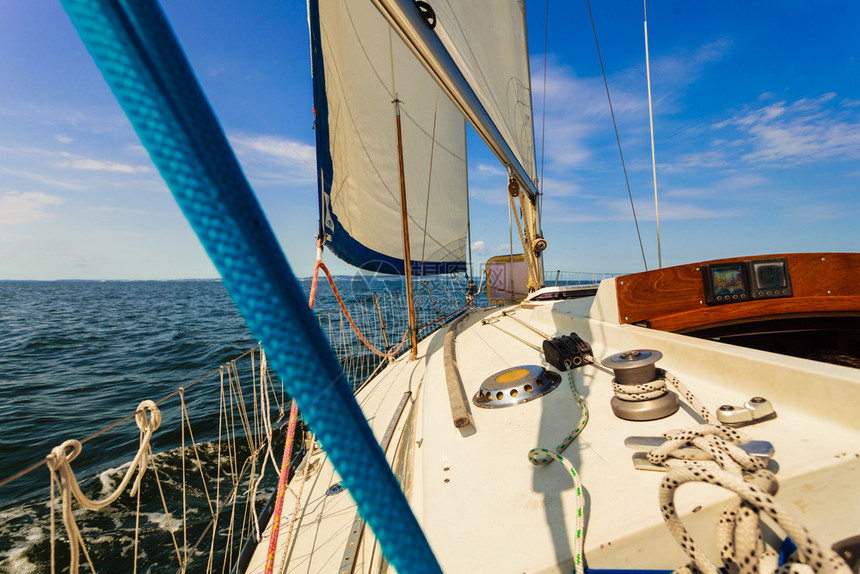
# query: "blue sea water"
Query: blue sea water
76,356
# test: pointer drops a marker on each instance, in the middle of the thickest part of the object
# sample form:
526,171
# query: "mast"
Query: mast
407,255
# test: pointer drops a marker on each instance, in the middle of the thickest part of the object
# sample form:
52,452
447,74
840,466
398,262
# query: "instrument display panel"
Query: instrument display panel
746,280
770,278
726,283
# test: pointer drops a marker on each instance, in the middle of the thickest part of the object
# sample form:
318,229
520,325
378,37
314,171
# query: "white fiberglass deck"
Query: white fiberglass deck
485,508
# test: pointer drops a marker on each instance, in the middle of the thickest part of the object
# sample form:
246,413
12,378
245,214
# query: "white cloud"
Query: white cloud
86,164
581,124
822,211
52,182
275,160
491,195
484,169
274,148
63,139
685,67
105,118
715,158
808,129
126,210
80,261
560,187
619,210
27,207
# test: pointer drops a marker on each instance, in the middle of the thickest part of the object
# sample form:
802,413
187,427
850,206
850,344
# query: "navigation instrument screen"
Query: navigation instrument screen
746,280
728,283
770,279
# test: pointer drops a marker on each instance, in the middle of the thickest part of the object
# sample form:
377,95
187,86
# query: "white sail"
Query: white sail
487,41
359,66
500,109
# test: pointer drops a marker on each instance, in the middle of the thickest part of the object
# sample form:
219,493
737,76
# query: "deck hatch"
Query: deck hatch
515,386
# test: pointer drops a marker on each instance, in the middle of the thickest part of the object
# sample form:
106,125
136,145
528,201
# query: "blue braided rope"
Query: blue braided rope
137,53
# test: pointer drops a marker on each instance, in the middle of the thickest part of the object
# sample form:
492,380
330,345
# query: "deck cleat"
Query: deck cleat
756,448
755,410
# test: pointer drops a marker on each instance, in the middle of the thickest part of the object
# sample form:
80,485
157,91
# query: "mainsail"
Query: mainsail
360,66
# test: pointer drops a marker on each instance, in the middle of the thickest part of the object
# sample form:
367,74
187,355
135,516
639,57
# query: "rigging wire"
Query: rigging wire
617,137
469,271
511,244
543,105
429,182
651,119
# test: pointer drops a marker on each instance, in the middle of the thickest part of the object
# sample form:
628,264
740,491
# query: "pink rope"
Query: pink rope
288,448
282,487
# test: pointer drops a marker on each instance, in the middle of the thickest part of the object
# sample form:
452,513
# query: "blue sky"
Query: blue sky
756,113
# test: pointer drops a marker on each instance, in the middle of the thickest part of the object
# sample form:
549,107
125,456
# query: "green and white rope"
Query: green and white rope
535,455
542,456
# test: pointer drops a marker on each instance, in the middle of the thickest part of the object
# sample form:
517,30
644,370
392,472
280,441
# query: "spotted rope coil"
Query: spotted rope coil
657,388
691,399
148,419
722,463
640,392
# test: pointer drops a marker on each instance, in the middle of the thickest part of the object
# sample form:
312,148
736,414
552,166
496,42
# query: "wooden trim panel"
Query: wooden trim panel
673,298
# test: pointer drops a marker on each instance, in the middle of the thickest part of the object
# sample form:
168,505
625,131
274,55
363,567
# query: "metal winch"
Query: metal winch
634,371
515,386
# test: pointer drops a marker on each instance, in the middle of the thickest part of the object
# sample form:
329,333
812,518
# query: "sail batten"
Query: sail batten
357,63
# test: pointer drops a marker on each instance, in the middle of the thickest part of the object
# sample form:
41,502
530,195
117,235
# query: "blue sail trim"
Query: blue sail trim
137,53
338,240
323,145
362,257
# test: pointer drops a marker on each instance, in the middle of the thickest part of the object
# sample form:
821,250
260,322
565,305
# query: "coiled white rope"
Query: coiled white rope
721,462
657,388
59,464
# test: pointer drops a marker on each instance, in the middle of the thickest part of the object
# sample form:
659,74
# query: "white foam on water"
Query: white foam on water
15,560
160,519
17,563
107,478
